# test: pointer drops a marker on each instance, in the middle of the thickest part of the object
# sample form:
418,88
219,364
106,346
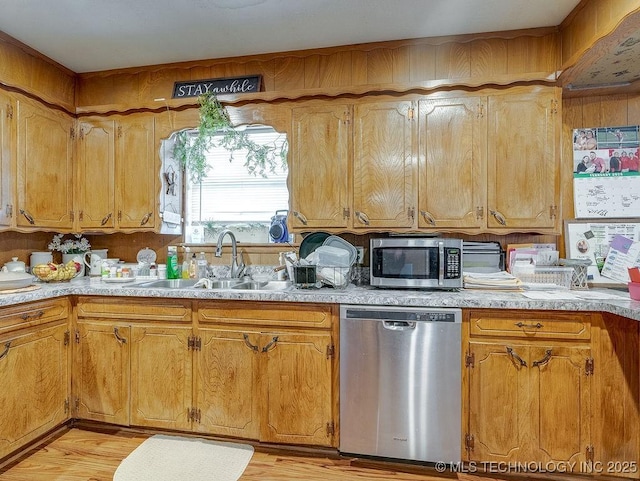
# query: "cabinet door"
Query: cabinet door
101,371
136,173
7,159
561,403
296,390
227,392
34,375
452,171
161,377
384,167
498,408
318,171
523,160
96,174
45,170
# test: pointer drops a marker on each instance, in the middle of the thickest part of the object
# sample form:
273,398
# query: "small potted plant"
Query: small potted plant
71,249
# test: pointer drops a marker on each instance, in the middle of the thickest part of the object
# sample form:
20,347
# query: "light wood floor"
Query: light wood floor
87,455
82,455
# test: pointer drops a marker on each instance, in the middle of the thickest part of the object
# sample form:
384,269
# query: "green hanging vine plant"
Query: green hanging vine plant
215,130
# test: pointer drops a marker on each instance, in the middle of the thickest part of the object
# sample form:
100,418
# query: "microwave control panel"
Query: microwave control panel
452,263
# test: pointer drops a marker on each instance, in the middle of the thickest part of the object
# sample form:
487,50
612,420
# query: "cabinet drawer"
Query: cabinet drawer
134,309
531,324
32,314
283,314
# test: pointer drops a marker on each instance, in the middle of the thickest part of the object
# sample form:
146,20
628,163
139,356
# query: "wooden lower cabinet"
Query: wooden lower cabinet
529,402
296,392
260,378
529,399
227,382
262,371
161,376
101,371
34,380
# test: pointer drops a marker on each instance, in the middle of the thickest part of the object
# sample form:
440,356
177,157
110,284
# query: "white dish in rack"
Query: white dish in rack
118,280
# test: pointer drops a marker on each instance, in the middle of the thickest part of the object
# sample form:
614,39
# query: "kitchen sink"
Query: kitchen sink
169,283
219,284
263,286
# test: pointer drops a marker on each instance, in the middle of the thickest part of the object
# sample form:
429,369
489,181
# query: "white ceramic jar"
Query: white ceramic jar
40,258
15,265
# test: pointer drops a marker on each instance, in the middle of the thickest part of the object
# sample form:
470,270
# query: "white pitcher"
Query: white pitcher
94,263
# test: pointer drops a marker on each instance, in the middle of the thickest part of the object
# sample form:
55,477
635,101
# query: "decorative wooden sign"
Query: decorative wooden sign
217,86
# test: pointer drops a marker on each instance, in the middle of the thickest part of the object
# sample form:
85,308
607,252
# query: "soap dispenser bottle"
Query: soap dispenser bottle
172,262
193,267
185,263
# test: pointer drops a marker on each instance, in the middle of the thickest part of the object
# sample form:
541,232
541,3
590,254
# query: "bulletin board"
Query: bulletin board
591,238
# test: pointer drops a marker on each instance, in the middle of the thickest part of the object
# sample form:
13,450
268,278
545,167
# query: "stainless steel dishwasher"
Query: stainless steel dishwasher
400,382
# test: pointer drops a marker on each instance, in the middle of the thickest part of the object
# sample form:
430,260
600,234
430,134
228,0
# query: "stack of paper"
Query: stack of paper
495,280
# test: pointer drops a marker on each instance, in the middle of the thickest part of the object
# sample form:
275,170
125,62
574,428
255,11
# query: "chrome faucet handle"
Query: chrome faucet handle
241,266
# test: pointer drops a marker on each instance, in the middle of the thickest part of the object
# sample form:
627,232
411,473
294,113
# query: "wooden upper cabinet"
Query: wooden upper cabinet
524,126
452,172
318,172
45,167
136,173
96,174
384,165
117,173
7,159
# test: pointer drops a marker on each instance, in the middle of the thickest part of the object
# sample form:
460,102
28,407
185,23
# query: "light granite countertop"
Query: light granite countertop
590,300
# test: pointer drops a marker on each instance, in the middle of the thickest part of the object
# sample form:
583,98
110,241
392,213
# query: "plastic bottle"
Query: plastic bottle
185,263
193,266
202,266
172,262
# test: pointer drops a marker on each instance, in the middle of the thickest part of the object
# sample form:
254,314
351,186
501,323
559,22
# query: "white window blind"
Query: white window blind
229,193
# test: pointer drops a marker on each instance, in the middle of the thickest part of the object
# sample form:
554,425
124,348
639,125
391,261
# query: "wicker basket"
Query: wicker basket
559,276
579,279
55,272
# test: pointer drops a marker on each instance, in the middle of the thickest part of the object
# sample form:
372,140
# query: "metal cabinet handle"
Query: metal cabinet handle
7,345
146,218
532,326
27,216
428,217
106,218
32,317
273,342
544,360
119,338
362,217
249,345
515,357
499,217
300,216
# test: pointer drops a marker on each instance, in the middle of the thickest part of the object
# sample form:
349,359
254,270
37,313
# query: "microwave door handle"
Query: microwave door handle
440,263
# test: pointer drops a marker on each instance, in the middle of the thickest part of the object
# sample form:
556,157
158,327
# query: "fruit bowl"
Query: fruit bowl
56,272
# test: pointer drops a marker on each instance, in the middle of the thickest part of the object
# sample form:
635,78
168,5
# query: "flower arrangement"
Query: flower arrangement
78,245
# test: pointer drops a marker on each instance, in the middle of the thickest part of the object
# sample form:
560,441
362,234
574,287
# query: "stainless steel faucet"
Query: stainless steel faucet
236,270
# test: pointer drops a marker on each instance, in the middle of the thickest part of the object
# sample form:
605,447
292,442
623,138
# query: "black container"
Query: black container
304,276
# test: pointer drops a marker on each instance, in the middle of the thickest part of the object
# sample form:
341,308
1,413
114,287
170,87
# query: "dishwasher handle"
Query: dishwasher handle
399,325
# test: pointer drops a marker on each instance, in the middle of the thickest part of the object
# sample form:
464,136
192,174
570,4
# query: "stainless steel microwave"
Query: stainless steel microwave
416,262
